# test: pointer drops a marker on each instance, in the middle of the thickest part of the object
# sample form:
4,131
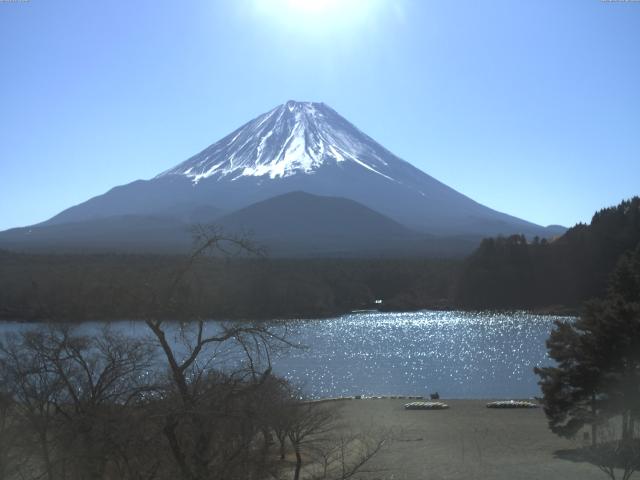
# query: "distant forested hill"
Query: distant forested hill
509,272
503,273
118,286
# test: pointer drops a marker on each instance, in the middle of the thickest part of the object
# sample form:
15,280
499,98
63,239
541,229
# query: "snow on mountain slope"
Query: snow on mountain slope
306,147
296,137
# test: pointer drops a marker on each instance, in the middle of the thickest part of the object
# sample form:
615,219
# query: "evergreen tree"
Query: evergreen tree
598,359
508,272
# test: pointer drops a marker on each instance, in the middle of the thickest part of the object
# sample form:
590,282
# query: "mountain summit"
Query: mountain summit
296,147
296,137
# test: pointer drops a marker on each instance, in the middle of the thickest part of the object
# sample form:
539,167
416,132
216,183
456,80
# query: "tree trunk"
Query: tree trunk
169,431
296,475
282,448
625,426
594,429
46,457
268,441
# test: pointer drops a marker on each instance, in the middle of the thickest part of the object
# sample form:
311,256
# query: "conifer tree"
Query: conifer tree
597,375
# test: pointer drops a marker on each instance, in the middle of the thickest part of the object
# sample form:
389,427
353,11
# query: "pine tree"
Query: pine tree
597,375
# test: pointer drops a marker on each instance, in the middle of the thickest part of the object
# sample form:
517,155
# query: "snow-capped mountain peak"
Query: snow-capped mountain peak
300,147
293,138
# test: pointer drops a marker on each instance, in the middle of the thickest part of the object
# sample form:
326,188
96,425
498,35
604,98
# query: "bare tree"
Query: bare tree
346,455
321,442
89,407
69,391
310,423
203,397
6,433
33,393
614,455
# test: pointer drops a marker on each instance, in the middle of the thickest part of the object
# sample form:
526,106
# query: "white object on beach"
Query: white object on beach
426,406
512,404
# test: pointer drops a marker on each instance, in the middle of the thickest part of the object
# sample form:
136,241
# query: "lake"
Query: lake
458,354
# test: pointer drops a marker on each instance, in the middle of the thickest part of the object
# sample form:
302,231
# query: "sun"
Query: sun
315,6
314,16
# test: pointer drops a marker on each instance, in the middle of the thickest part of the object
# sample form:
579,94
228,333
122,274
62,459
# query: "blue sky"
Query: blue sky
529,107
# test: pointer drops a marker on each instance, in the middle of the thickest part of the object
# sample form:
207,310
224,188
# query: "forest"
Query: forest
513,272
85,287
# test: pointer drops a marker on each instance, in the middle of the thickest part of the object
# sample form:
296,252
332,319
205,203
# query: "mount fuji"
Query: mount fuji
296,147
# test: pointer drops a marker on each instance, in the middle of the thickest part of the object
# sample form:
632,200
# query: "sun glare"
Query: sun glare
315,6
318,15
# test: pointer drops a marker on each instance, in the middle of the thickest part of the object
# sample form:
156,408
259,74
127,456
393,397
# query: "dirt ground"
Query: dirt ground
468,441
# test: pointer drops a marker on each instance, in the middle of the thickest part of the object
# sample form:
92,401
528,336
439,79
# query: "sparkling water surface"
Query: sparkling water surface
458,354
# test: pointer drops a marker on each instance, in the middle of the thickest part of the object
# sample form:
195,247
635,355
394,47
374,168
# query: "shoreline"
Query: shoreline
546,311
466,441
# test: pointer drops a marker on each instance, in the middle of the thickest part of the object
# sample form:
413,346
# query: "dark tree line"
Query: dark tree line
512,272
107,287
596,379
503,273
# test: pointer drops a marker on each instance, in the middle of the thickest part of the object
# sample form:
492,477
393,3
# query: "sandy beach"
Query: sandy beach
467,441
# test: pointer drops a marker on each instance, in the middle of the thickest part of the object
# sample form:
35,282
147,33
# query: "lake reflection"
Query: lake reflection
458,354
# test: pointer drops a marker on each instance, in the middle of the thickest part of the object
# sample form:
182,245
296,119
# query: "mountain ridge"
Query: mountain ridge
307,147
324,227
